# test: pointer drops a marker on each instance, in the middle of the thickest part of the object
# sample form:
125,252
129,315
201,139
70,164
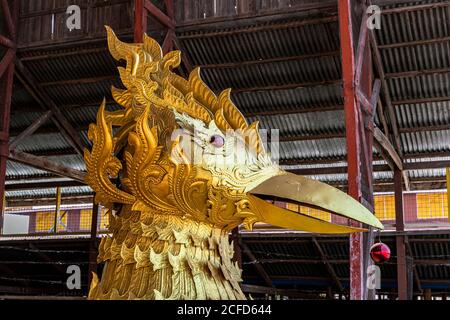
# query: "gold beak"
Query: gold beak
311,193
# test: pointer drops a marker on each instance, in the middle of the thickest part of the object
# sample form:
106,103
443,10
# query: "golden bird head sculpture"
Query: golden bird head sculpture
179,167
179,149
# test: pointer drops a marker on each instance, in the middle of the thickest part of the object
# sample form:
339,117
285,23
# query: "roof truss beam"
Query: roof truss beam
259,268
5,42
395,153
405,9
416,73
30,129
261,28
155,12
6,60
420,100
414,43
328,265
39,94
79,81
415,272
387,148
289,86
385,90
42,185
342,169
232,65
45,164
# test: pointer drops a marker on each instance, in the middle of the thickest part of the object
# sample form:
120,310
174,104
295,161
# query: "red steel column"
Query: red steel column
353,145
93,249
140,20
6,85
6,82
402,278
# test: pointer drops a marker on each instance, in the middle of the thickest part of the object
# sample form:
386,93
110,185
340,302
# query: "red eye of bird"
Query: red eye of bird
217,141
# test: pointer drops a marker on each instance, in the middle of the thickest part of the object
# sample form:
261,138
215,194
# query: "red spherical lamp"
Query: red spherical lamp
380,252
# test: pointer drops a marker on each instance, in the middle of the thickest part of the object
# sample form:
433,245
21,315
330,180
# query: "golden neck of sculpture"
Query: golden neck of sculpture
159,256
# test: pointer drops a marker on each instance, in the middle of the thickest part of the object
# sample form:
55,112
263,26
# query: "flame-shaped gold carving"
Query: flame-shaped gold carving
170,233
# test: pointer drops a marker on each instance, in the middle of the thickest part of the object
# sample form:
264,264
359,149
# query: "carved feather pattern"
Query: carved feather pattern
232,114
202,93
100,171
138,265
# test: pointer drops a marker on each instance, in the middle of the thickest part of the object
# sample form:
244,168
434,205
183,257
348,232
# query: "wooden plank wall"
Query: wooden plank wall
43,22
192,11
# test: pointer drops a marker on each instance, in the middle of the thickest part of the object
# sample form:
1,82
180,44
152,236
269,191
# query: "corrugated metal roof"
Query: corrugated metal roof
313,149
54,141
336,250
426,141
48,193
429,173
74,66
80,94
423,114
273,74
15,171
304,124
414,25
24,120
248,49
289,99
426,86
266,44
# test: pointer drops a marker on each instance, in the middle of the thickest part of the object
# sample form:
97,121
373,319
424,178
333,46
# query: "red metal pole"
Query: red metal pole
353,143
6,87
402,275
169,8
6,84
93,250
140,20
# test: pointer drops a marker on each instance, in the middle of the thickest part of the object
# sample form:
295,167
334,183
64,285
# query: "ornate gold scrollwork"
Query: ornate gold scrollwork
171,231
